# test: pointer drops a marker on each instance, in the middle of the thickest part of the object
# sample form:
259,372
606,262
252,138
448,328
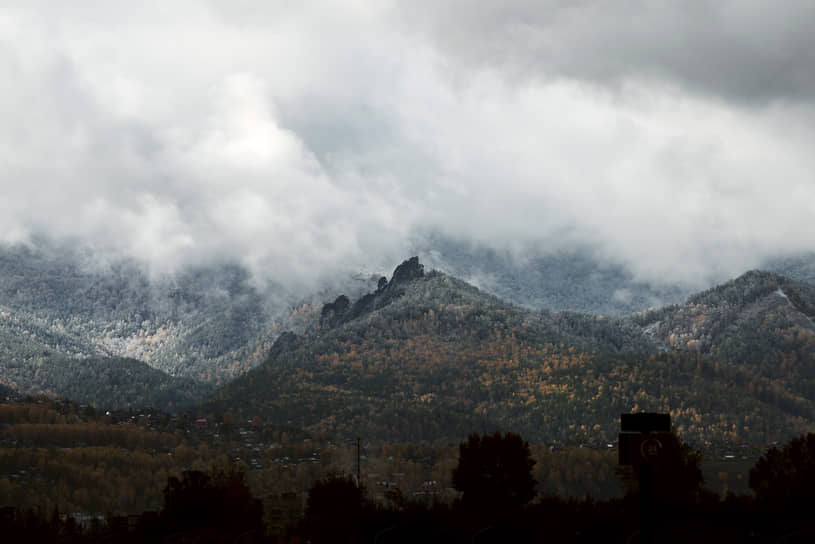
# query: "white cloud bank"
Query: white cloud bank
301,140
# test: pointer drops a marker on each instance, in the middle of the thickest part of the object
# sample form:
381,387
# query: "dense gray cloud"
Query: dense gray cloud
304,139
745,50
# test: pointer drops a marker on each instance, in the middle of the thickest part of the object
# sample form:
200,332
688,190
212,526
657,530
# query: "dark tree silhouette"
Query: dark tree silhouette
334,510
786,477
212,507
495,472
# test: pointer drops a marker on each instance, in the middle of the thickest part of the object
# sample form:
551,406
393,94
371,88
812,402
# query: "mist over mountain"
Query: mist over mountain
797,266
259,233
106,331
420,344
576,278
430,358
315,141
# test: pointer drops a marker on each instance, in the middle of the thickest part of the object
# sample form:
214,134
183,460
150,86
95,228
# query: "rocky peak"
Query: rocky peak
409,270
341,310
333,313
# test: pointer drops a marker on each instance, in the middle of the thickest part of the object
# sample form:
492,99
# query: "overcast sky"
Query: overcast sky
303,137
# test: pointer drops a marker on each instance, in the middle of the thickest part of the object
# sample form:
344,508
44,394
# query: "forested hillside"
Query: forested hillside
195,323
759,321
106,331
422,356
444,359
106,382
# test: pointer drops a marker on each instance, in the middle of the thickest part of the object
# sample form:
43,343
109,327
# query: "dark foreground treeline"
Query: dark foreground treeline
497,503
549,520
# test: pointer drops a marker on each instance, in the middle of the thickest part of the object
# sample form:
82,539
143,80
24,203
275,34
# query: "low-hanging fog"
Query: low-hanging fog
305,138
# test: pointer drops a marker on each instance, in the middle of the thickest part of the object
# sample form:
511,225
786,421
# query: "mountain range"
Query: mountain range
733,363
575,278
422,356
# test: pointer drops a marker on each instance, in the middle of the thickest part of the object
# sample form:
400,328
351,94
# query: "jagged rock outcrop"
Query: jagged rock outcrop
333,313
406,272
341,311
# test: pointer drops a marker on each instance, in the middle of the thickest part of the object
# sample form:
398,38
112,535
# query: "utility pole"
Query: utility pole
359,480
